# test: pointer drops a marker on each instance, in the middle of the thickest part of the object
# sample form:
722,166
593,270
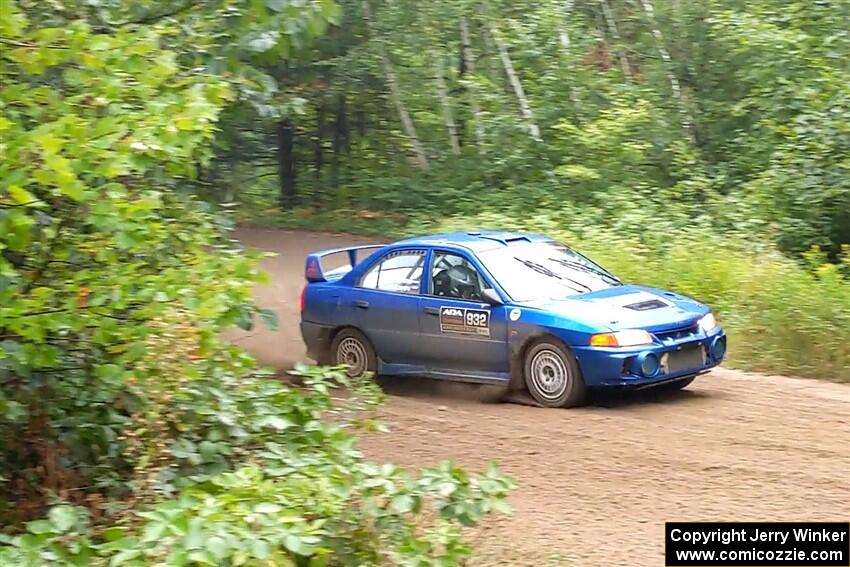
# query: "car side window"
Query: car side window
454,276
399,271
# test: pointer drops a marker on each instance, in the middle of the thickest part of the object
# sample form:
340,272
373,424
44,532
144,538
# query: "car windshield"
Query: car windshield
544,270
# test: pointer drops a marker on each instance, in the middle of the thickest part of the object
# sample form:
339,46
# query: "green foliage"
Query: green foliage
729,111
127,425
103,259
59,539
297,491
792,73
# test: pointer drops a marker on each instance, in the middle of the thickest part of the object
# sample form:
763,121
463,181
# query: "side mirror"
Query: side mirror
490,296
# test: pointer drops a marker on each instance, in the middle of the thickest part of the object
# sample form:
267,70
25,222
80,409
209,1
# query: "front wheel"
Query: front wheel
352,349
552,375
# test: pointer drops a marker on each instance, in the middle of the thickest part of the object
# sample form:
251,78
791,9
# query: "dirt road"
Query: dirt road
596,484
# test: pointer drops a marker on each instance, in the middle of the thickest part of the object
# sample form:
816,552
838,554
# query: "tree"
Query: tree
395,91
100,247
119,398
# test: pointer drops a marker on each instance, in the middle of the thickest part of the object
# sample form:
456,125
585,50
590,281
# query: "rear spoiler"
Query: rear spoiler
315,272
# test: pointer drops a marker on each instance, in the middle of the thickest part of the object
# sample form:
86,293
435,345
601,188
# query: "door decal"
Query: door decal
462,321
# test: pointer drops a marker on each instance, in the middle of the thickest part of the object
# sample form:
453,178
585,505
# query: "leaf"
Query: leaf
264,42
269,318
467,519
402,504
330,10
195,536
63,517
244,320
124,556
154,531
19,234
108,371
446,489
185,123
275,422
208,450
296,545
267,508
40,527
217,547
49,143
20,195
501,506
261,549
114,533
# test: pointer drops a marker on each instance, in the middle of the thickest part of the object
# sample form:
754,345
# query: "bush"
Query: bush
294,490
127,425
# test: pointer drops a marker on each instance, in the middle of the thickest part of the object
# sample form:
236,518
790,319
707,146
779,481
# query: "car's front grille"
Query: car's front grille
690,357
677,335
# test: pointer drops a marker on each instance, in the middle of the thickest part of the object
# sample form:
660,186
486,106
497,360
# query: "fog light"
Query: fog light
718,348
648,364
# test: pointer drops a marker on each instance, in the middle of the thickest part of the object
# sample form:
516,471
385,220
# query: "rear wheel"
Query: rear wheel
352,349
552,375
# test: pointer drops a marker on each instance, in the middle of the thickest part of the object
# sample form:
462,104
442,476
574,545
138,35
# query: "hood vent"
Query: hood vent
646,305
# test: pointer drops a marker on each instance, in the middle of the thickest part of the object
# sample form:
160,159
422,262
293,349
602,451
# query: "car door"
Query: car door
460,334
384,304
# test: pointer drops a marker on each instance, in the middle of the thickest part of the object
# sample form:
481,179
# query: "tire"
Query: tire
671,387
552,375
351,348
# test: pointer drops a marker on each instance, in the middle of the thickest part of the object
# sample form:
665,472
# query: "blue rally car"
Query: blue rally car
506,308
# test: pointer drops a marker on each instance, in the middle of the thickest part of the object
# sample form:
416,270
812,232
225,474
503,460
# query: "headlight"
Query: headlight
625,338
708,322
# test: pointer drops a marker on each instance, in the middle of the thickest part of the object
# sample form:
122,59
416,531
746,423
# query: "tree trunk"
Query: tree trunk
489,47
464,96
611,23
443,93
524,107
340,135
360,122
467,63
687,121
395,93
564,42
319,153
286,164
563,34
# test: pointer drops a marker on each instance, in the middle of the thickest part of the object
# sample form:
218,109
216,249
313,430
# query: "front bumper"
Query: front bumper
607,366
